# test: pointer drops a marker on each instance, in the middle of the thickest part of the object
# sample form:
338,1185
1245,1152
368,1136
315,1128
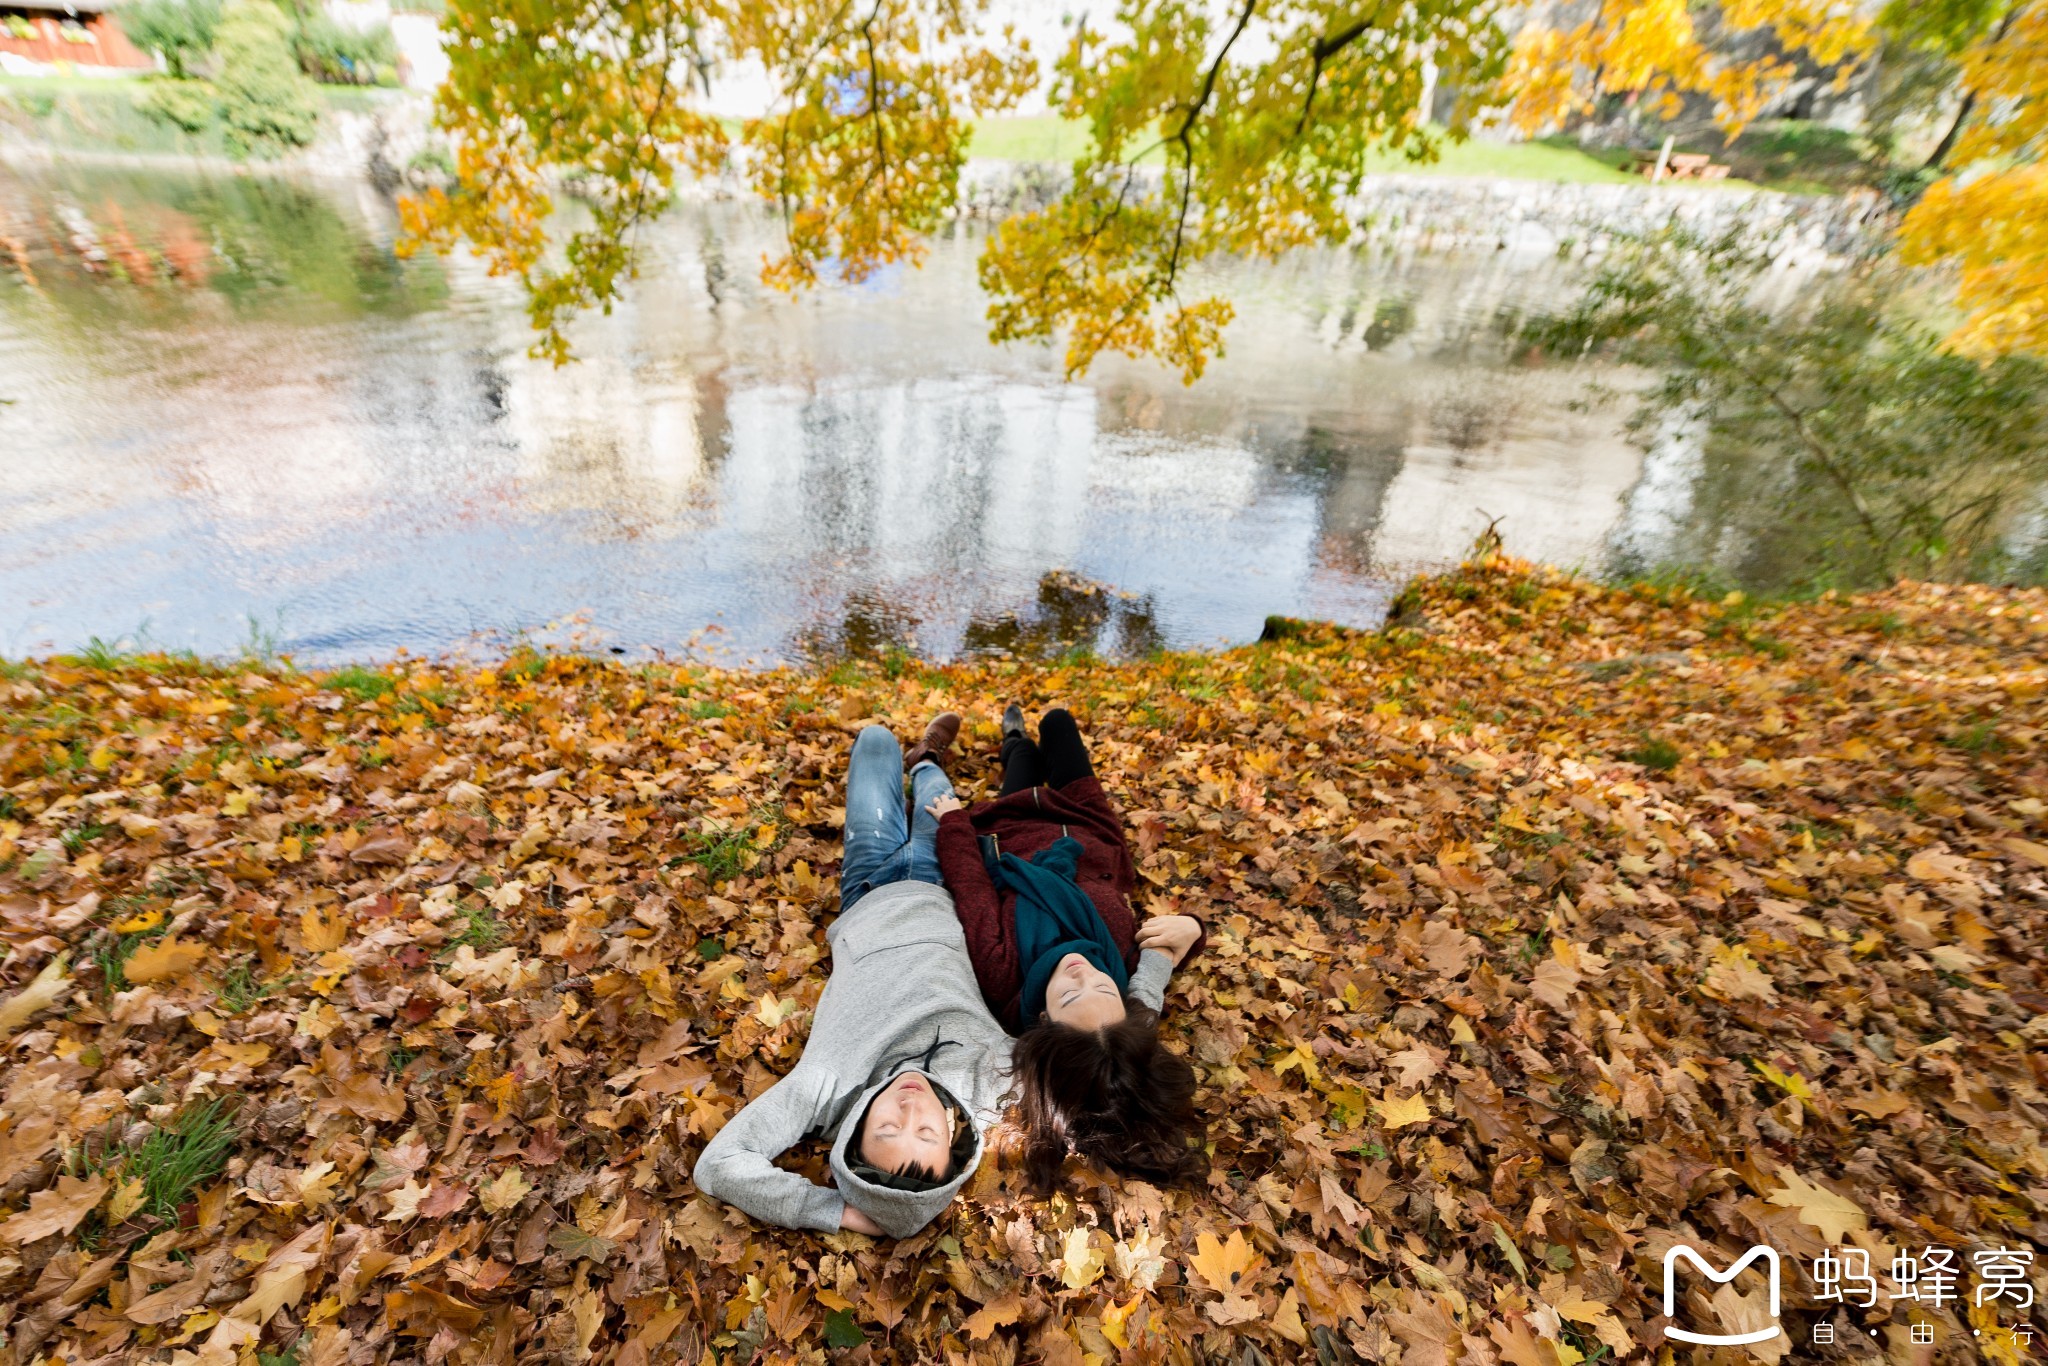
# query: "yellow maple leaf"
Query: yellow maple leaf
1113,1318
774,1011
128,1198
1397,1112
317,1183
1300,1057
1287,1319
323,932
142,920
405,1201
507,1190
48,987
1221,1265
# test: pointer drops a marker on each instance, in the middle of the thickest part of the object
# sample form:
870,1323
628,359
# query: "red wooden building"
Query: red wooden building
82,33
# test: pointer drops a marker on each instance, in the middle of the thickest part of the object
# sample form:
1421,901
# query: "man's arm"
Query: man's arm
739,1165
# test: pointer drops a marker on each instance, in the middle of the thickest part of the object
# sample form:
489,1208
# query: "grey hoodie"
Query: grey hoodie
902,998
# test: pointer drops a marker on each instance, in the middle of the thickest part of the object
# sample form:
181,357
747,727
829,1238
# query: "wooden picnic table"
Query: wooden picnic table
1682,166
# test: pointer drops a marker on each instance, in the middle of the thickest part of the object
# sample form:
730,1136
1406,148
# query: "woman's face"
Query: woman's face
1082,995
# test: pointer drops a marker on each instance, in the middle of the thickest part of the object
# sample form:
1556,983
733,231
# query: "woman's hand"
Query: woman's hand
1172,935
853,1221
945,804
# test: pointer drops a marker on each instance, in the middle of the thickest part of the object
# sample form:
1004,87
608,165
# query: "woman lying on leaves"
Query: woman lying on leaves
1041,880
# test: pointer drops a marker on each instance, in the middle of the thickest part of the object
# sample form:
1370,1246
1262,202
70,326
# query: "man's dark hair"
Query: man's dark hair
1116,1095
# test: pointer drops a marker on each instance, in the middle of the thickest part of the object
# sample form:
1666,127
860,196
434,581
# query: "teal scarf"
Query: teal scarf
1055,918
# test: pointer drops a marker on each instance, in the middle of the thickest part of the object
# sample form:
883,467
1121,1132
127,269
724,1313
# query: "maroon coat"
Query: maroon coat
1023,824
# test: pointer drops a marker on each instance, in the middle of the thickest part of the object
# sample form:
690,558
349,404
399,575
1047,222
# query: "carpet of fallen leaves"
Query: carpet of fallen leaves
1550,925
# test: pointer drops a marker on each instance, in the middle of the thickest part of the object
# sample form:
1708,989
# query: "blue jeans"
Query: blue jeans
881,845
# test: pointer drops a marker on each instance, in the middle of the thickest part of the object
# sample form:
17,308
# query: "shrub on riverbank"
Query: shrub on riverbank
180,31
1550,925
1842,444
266,104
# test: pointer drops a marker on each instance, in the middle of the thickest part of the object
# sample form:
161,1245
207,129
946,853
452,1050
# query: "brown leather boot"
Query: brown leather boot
938,739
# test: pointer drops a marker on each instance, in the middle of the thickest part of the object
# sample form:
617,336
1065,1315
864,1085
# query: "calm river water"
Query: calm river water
234,414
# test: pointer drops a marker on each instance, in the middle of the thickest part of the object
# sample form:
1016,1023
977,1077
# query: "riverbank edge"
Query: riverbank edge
1405,619
485,961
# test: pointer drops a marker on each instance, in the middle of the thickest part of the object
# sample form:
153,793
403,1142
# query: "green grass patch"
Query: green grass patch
1655,753
102,114
241,990
173,1161
1979,739
722,854
480,928
1028,137
363,685
78,836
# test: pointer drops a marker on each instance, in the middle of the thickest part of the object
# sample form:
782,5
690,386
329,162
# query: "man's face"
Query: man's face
1083,995
908,1123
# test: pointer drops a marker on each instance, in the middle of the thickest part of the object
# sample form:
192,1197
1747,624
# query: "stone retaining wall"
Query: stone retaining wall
1456,213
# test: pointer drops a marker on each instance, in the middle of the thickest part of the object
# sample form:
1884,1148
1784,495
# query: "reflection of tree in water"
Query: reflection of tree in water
1726,514
1392,319
1071,613
872,626
1470,411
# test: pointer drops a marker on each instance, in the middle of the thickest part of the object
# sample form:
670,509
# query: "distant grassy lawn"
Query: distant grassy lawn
1029,137
1047,137
121,84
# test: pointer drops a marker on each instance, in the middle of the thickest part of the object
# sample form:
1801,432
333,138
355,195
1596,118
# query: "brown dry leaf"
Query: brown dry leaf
997,1313
384,849
360,1093
57,1210
44,990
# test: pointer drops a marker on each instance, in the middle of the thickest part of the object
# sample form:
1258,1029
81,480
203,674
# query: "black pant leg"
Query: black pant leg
1066,756
1023,766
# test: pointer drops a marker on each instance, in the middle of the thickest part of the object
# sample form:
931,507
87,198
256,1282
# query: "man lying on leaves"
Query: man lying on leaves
905,1066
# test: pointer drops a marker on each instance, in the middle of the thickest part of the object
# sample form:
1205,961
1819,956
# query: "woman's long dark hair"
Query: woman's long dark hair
1116,1095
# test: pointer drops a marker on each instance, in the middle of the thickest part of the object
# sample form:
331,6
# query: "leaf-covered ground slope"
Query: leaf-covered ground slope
379,1016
